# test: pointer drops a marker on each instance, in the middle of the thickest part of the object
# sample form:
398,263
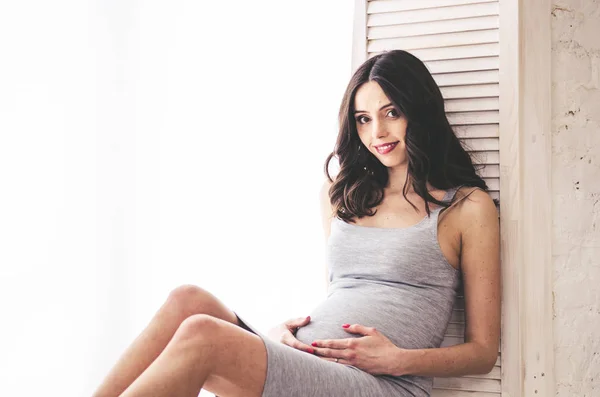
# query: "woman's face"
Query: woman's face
379,124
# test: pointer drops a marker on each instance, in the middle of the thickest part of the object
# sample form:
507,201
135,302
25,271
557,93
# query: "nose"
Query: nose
378,129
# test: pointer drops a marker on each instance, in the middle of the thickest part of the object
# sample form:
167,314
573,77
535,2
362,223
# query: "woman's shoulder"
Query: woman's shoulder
474,193
475,205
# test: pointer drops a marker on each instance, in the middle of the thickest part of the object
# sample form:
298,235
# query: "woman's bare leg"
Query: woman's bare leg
208,353
183,302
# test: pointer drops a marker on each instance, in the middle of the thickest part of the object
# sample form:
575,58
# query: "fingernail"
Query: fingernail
311,351
308,318
345,325
314,344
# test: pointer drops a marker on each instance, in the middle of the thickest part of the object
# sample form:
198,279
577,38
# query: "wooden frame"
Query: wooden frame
527,358
359,39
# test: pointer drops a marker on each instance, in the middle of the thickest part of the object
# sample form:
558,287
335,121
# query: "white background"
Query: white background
144,145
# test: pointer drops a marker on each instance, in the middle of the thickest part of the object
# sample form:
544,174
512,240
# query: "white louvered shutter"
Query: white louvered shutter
458,40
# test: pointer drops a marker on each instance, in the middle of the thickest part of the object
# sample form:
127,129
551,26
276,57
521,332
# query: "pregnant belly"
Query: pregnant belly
341,308
399,322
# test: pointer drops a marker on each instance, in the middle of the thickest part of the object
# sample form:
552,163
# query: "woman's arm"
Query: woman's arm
459,360
480,265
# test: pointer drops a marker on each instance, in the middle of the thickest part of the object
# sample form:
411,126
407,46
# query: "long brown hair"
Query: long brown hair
435,154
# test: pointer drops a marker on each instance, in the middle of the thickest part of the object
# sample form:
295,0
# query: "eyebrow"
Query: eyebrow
381,108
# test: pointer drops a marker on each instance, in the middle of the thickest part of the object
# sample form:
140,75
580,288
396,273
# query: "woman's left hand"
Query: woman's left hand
373,352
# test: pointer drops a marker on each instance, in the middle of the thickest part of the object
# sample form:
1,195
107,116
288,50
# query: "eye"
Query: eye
393,111
361,117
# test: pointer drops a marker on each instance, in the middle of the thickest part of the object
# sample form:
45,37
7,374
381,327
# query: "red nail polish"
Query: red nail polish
311,351
346,325
314,344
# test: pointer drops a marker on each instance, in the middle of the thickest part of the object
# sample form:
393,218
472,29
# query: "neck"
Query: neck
397,178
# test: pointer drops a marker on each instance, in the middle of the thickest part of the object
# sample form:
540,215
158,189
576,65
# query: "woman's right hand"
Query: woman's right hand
285,333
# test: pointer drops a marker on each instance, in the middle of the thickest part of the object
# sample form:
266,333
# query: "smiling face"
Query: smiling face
379,123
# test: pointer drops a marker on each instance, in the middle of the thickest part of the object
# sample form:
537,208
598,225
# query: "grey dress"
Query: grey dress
394,279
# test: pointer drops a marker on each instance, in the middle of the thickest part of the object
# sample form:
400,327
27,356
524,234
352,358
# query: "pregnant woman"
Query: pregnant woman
406,219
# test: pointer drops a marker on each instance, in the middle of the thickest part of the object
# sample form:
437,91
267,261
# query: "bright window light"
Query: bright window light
145,145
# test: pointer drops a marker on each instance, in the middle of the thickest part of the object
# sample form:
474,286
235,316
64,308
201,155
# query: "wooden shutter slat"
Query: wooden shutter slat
493,183
433,14
455,329
477,131
434,27
435,40
463,65
467,78
452,341
490,171
458,393
471,104
485,117
495,373
486,157
472,91
465,51
468,384
378,6
457,316
481,144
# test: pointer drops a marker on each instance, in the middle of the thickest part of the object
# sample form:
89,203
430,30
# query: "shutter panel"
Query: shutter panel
458,40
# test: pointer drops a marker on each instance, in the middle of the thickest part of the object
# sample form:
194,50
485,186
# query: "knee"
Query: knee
199,327
186,293
186,299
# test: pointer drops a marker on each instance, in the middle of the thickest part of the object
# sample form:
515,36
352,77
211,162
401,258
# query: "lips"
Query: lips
386,147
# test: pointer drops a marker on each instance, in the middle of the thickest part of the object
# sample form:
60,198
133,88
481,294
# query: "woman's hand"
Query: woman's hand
284,333
373,352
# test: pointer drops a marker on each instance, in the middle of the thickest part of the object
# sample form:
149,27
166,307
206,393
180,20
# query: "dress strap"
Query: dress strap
451,193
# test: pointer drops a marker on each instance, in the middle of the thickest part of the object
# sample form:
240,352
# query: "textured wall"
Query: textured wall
576,195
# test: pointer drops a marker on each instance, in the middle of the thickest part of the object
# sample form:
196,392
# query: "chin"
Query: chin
392,163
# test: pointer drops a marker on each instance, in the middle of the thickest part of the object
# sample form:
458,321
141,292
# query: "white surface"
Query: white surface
145,145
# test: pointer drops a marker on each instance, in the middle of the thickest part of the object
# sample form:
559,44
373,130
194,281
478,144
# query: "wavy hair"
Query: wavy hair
434,153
